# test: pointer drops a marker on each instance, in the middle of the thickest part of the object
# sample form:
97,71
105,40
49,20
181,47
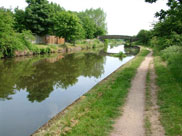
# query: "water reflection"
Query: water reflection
39,78
34,89
116,49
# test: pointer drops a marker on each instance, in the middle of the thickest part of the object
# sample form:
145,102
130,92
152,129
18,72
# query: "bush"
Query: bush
9,39
45,50
26,38
161,43
120,55
173,56
171,51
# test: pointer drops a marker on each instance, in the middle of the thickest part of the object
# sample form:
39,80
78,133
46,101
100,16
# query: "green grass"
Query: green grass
169,97
148,94
148,104
94,113
148,131
120,55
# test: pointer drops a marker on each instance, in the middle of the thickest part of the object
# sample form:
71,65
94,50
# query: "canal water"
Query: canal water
34,89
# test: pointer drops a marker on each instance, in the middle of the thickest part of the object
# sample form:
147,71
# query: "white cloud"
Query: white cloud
125,17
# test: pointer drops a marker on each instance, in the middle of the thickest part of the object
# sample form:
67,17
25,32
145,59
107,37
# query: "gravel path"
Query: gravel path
131,123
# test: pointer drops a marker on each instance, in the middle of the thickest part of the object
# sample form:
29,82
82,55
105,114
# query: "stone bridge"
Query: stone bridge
124,37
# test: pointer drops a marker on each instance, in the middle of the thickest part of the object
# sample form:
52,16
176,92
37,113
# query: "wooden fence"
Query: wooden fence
48,39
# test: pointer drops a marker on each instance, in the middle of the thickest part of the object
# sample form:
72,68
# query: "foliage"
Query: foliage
99,18
9,39
171,51
144,37
41,18
38,16
169,95
120,55
93,22
68,25
88,25
167,31
54,10
172,55
19,16
161,43
6,32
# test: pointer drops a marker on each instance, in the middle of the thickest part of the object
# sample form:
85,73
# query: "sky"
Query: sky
124,17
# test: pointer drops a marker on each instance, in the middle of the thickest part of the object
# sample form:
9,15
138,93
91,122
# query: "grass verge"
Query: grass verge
169,98
93,113
148,104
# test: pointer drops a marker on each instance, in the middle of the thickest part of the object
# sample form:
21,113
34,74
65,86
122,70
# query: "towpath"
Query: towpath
131,122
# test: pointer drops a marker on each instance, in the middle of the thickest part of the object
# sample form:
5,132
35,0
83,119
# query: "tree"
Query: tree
88,25
99,18
169,20
144,37
68,26
167,31
38,16
19,24
150,1
6,32
55,9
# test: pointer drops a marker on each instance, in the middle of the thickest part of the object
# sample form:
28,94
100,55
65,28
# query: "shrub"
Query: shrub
9,39
173,56
120,54
171,51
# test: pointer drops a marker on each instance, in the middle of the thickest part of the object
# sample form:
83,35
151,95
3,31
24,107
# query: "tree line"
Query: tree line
168,30
41,18
166,37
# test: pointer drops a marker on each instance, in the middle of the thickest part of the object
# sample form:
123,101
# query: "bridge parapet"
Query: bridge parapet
124,37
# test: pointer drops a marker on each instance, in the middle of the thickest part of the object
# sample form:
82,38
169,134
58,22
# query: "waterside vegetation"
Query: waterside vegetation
18,27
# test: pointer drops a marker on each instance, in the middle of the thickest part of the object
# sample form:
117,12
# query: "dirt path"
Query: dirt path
131,123
152,113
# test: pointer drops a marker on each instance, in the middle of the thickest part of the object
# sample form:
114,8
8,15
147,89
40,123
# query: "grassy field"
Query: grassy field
170,94
93,113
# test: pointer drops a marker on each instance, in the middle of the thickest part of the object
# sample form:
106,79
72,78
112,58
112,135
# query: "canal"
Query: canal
34,89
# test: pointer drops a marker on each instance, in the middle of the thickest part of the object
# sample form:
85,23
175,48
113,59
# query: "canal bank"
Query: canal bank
94,112
57,48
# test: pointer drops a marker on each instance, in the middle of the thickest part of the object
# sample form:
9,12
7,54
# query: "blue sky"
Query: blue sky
124,17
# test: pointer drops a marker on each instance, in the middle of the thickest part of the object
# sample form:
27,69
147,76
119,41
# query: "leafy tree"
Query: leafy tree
99,18
38,16
68,25
167,31
144,37
88,25
6,32
10,40
54,10
19,24
150,1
